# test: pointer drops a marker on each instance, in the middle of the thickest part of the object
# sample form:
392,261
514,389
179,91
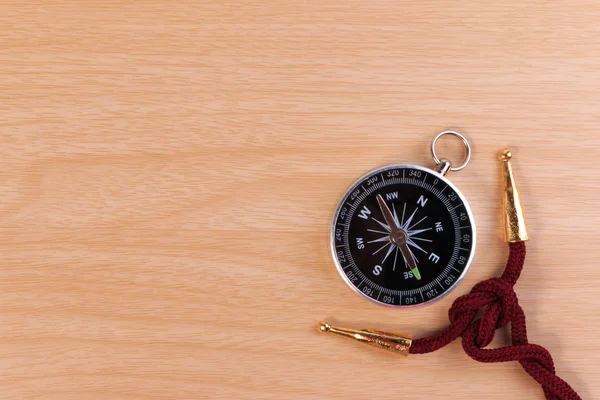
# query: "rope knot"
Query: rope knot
497,301
498,312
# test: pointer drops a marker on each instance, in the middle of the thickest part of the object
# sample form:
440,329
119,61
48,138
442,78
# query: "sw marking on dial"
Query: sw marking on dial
403,236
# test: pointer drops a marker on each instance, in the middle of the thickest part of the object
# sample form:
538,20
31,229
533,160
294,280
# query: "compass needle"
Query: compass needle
414,257
410,259
403,235
387,214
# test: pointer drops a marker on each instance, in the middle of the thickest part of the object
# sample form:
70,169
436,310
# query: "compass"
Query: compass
404,235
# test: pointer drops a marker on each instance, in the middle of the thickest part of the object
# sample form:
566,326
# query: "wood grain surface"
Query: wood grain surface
169,172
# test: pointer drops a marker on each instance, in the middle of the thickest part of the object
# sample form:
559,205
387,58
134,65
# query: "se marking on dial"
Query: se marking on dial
403,236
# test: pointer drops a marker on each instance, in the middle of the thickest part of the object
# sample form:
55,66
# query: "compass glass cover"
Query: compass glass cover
436,225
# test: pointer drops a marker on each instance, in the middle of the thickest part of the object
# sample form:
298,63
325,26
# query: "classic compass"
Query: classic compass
404,235
490,305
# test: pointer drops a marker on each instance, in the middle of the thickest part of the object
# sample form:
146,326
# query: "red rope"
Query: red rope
498,297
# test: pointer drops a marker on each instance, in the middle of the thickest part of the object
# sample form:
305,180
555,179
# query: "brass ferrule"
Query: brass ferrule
398,344
516,230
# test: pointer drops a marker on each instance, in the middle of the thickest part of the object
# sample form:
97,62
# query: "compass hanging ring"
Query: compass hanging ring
444,165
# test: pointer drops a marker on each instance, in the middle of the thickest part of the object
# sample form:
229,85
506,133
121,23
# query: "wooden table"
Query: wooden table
170,171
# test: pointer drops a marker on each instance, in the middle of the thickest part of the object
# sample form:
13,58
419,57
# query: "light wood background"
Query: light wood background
169,171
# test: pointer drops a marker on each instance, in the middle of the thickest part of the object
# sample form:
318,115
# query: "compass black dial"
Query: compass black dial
403,236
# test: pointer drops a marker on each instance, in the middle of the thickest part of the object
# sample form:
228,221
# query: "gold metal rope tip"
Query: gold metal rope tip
324,327
505,155
393,342
515,227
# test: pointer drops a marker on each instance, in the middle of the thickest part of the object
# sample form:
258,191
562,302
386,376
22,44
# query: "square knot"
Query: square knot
498,300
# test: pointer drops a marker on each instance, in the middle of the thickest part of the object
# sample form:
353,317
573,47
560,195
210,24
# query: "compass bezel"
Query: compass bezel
382,170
